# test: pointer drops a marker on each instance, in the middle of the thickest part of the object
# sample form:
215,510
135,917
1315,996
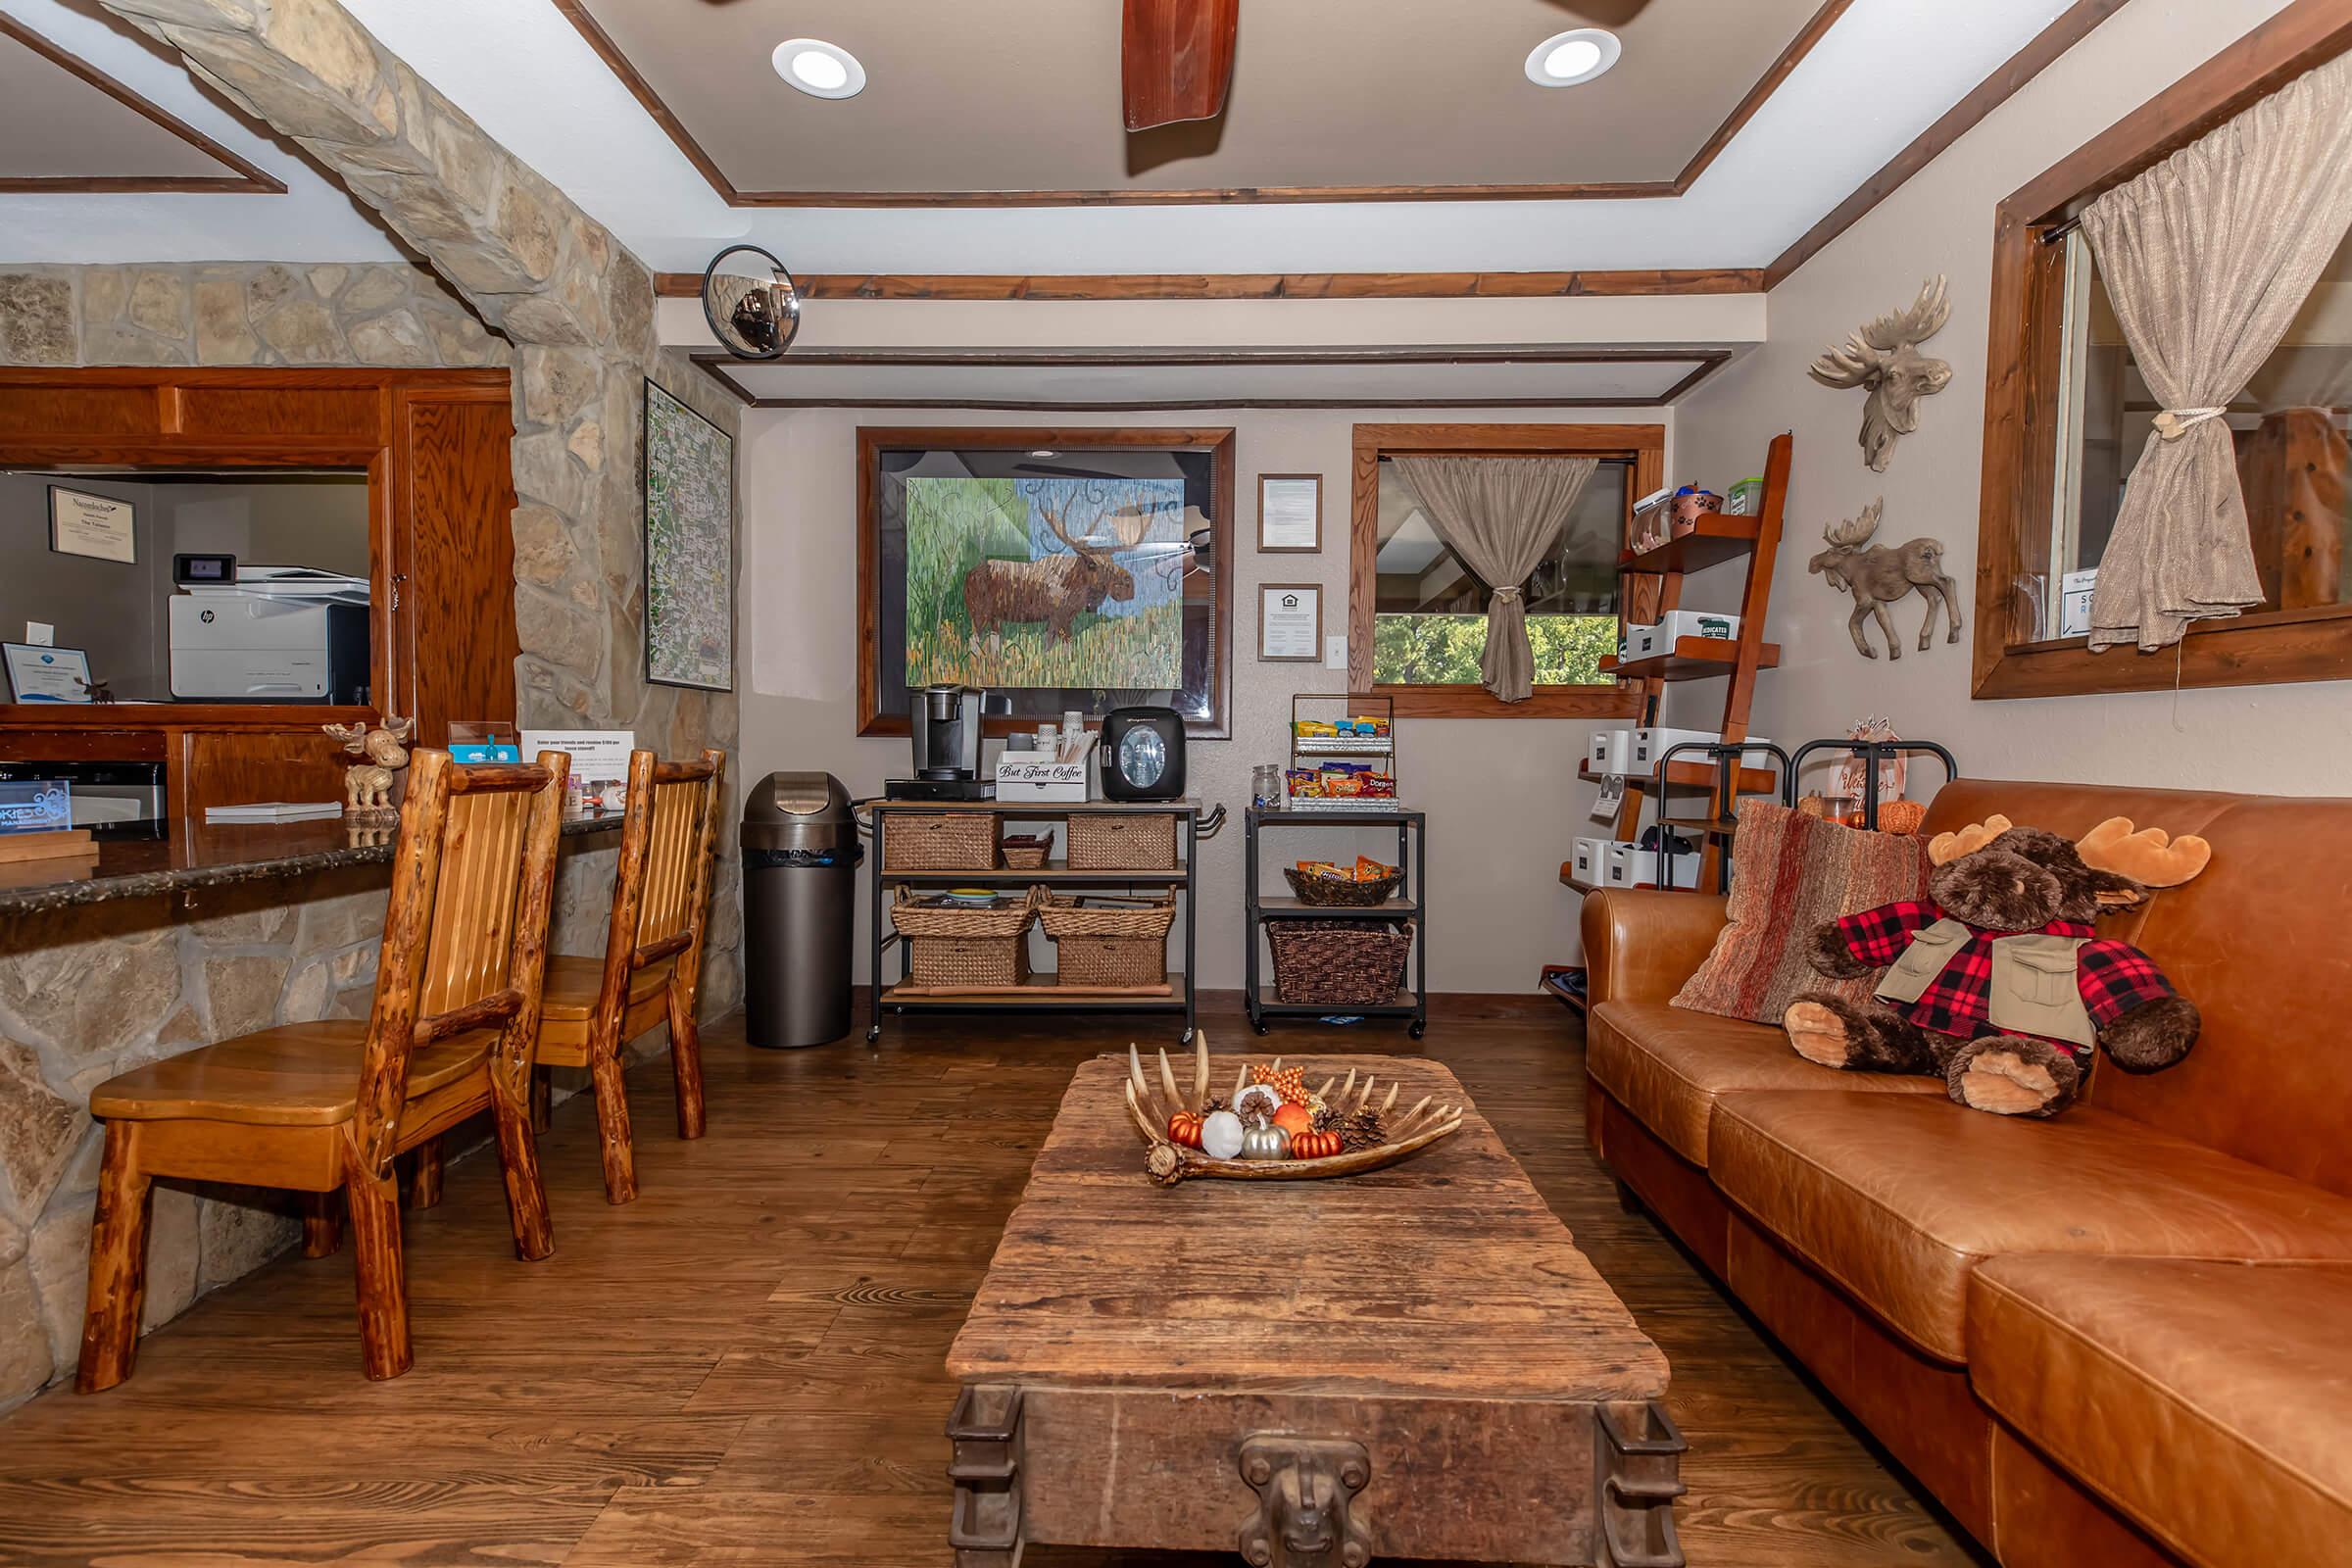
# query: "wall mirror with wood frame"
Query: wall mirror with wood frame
2070,412
1417,613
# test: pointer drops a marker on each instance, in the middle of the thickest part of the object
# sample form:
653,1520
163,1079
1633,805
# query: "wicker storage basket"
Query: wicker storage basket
1113,949
1141,842
1328,892
1030,855
1339,963
944,840
966,949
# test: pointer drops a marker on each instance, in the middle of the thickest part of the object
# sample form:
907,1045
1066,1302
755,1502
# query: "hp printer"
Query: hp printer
277,634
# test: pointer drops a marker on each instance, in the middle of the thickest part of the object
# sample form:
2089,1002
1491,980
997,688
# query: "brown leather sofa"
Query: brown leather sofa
2120,1337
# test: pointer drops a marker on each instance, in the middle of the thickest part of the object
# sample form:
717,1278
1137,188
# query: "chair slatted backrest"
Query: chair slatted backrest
465,930
662,888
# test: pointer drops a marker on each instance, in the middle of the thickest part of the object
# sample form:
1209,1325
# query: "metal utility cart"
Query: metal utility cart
1406,904
1193,825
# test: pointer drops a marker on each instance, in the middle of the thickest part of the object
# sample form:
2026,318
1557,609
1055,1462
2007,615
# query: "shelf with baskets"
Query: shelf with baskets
1357,949
1113,953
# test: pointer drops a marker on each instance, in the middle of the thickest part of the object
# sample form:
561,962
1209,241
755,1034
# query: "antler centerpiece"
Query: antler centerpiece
1360,1127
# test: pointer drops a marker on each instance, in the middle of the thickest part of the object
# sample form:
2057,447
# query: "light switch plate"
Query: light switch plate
1335,653
40,634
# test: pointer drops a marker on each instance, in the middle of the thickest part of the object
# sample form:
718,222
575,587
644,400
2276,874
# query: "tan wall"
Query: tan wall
2291,739
1501,793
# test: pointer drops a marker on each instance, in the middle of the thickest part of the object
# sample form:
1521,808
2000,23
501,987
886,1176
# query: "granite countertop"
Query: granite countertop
195,855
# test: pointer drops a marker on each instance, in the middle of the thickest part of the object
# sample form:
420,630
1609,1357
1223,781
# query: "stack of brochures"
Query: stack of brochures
274,811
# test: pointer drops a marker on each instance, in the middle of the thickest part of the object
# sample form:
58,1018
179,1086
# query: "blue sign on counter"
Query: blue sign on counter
35,806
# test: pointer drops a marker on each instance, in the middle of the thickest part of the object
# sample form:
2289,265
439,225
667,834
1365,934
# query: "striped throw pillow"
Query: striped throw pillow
1790,873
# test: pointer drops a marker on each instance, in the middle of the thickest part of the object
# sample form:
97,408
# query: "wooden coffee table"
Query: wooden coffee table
1415,1362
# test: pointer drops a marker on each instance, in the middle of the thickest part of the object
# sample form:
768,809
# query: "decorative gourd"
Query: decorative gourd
1221,1134
1185,1128
1901,818
1294,1119
1265,1142
1315,1145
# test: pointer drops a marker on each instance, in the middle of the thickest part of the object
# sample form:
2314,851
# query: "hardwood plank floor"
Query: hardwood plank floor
745,1365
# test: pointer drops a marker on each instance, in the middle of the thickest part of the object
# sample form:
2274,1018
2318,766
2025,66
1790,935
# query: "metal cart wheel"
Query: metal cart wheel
1417,1030
874,1034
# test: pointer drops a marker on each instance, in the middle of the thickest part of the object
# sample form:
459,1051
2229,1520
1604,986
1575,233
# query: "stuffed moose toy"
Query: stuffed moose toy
1998,982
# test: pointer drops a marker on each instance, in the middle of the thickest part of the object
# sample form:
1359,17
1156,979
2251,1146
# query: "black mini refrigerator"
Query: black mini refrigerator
800,909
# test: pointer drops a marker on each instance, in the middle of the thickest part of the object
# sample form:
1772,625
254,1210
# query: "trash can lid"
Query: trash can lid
798,812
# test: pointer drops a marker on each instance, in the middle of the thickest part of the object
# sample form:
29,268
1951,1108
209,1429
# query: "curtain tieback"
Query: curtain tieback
2174,423
1506,593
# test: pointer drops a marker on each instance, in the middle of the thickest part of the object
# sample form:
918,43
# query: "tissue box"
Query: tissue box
1033,778
1588,860
1650,641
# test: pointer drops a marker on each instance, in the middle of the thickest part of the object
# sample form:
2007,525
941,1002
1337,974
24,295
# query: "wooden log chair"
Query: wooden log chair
652,964
320,1106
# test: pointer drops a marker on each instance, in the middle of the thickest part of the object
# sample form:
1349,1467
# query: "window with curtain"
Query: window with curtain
1430,608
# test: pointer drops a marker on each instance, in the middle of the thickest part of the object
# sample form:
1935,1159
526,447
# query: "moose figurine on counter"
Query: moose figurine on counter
368,785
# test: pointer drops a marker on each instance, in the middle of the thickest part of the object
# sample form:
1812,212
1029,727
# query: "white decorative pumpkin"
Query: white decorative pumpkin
1221,1135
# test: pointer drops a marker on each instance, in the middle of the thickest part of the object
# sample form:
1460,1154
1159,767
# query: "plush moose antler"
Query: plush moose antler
1946,848
2150,855
1885,357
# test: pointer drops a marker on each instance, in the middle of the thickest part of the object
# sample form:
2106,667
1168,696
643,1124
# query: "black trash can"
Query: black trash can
800,909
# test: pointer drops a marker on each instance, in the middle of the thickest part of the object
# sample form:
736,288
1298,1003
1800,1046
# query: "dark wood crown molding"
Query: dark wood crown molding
985,286
247,178
608,50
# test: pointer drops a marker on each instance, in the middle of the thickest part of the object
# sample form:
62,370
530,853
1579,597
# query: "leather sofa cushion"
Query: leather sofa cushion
2211,1402
1666,1065
1897,1197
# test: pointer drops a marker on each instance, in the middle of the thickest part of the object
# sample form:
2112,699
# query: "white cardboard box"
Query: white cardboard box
1596,752
1630,866
1650,747
1021,778
1649,642
1586,860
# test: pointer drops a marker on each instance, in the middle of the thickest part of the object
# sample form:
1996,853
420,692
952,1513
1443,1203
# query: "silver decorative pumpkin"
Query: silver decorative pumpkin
1265,1141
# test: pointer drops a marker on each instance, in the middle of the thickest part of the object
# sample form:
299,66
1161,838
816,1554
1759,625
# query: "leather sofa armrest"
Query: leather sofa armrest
1640,946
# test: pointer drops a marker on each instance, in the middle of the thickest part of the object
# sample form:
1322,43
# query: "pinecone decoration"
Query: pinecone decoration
1328,1118
1216,1103
1362,1131
1287,1082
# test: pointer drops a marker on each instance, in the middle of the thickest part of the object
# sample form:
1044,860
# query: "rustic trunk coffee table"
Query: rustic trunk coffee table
1411,1363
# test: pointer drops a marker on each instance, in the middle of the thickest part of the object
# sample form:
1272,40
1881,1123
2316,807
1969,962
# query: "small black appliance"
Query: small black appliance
1143,754
945,725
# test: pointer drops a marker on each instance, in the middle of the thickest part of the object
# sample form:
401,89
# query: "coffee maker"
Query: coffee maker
946,727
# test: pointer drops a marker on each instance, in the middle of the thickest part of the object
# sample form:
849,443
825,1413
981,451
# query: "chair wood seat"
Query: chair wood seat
294,1075
573,985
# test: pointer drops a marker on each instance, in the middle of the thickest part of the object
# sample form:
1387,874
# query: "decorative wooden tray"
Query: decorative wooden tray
1373,1133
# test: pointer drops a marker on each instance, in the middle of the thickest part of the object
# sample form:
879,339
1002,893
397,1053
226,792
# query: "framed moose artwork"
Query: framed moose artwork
1051,568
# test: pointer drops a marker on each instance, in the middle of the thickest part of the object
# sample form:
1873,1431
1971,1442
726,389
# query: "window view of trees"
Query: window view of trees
1445,650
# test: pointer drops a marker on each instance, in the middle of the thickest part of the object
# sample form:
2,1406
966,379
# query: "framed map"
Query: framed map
689,547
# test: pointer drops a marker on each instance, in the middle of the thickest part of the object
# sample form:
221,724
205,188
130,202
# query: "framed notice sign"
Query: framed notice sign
1290,514
98,526
1289,623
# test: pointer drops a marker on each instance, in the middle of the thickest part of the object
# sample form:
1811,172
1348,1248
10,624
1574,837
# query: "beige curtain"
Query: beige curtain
2208,257
1501,515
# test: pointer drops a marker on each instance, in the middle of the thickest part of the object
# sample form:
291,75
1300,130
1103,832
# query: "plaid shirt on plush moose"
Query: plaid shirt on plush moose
2114,977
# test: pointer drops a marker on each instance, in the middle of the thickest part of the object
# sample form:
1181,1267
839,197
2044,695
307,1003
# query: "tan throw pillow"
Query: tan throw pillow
1790,873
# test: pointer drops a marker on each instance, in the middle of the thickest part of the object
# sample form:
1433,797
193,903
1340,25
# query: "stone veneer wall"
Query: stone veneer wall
519,276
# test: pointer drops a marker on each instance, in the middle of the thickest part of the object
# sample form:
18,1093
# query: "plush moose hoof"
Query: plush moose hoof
1818,1033
2010,1076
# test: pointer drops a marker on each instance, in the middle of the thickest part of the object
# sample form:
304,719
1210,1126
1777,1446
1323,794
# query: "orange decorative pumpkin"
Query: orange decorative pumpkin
1185,1128
1314,1146
1901,818
1295,1120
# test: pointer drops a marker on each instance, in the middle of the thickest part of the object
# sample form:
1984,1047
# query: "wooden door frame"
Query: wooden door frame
2021,411
1642,445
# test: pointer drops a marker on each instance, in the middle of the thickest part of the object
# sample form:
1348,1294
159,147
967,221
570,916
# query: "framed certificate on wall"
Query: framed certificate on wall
101,527
1289,623
1290,514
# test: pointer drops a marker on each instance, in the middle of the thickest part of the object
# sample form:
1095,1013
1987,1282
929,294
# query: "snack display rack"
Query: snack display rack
1376,751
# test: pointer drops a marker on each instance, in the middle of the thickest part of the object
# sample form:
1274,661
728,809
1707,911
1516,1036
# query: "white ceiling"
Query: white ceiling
534,82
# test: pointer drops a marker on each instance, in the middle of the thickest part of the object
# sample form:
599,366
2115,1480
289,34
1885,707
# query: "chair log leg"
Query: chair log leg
110,1325
613,1126
526,1193
686,1062
321,1225
375,1205
543,1100
424,1187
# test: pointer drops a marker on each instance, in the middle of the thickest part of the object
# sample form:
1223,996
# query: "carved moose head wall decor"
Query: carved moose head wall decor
1885,357
1060,588
1880,575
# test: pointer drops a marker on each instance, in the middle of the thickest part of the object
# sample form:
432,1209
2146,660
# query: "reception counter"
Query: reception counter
155,947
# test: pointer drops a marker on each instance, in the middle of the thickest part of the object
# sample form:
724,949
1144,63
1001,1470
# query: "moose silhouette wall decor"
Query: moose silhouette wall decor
1885,357
1883,573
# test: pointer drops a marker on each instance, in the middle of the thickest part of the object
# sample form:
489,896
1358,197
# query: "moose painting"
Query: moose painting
1883,573
1054,582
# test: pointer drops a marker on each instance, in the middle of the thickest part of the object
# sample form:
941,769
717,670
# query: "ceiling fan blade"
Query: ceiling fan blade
1177,59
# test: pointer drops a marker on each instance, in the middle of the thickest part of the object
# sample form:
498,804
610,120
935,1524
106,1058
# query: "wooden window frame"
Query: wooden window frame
1641,445
2022,412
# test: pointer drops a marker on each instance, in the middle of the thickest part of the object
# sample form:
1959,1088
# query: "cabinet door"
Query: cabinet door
453,561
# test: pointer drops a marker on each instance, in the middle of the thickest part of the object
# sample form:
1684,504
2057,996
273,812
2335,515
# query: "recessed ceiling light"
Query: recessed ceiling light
1570,57
1045,452
819,69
